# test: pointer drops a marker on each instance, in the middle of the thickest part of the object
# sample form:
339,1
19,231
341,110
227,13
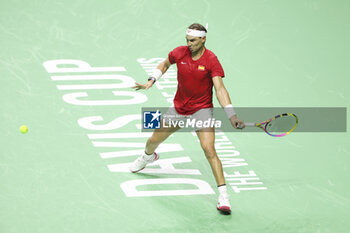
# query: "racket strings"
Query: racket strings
281,125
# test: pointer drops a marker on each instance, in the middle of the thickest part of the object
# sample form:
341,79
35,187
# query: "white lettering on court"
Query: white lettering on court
84,94
201,187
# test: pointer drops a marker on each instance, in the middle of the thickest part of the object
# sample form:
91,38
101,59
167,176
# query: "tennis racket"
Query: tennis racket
279,125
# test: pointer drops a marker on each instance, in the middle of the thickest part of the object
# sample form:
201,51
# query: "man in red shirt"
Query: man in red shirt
198,71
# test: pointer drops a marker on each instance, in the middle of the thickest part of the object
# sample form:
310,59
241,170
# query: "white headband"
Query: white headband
196,33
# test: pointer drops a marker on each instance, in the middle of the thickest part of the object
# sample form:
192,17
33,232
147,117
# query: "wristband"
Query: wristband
230,112
157,73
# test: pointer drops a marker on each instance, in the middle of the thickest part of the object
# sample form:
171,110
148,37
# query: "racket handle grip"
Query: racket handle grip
249,123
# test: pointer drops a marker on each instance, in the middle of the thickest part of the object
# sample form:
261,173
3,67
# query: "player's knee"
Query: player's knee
209,151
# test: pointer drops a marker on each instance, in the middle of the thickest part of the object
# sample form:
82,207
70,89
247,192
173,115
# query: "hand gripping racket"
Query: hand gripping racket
279,125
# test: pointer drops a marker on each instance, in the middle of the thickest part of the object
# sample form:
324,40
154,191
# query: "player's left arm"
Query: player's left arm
224,100
161,69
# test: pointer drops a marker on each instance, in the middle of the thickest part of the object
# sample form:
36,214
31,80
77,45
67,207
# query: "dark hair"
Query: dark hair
197,26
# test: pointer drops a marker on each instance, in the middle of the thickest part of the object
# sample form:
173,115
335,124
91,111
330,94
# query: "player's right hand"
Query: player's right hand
145,86
237,123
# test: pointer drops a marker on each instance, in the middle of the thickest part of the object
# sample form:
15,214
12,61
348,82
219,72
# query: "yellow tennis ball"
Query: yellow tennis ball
23,129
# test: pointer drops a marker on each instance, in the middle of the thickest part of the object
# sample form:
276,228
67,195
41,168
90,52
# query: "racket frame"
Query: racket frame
263,125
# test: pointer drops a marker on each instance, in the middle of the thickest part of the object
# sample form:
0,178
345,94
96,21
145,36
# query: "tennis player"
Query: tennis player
198,71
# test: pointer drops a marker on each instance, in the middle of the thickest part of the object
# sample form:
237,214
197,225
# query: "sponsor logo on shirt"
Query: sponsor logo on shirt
201,67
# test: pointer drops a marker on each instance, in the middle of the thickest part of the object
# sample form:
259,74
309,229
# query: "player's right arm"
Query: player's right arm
162,67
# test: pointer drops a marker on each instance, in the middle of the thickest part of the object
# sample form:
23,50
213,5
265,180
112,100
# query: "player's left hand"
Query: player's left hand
237,123
145,86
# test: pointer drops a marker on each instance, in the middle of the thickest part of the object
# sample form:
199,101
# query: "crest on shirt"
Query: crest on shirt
201,67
